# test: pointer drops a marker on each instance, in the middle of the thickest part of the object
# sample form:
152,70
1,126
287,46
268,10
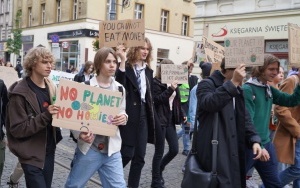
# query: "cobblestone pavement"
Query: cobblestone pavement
64,154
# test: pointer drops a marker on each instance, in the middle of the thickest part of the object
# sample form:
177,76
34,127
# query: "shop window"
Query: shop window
162,54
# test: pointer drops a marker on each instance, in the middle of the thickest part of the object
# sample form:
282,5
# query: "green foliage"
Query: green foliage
96,44
14,44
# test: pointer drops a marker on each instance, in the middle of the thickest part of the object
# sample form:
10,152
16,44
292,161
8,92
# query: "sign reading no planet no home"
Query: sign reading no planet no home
130,33
171,72
83,108
294,44
247,50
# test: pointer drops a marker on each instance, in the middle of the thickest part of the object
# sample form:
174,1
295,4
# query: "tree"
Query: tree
14,43
95,44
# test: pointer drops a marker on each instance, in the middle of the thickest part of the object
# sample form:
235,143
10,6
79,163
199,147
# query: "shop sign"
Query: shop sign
277,46
27,38
74,34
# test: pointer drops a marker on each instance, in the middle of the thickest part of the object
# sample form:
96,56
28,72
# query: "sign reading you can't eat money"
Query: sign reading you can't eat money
130,33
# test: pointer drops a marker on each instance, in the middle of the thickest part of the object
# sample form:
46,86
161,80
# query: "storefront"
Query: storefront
66,47
274,29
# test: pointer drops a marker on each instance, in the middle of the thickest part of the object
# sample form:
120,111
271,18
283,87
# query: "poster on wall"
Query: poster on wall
130,33
83,108
171,72
294,44
247,50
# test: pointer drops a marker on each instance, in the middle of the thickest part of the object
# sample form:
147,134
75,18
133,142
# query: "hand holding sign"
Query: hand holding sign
238,75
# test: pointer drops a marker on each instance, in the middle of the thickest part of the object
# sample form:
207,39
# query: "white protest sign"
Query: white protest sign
171,72
131,33
294,44
55,76
214,52
247,50
83,108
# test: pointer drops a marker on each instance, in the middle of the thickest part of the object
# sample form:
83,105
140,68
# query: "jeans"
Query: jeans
2,157
84,166
292,173
267,170
159,162
136,154
184,132
37,177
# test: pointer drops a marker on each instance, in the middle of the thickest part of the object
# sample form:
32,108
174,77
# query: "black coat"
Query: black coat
133,105
3,104
235,130
80,77
161,95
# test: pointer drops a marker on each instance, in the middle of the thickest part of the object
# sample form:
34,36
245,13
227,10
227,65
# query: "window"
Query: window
164,21
1,32
75,10
58,9
29,17
2,6
43,14
185,25
138,11
6,32
110,10
8,6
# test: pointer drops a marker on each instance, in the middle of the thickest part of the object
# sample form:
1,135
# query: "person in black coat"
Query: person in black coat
3,104
168,108
86,74
137,78
221,93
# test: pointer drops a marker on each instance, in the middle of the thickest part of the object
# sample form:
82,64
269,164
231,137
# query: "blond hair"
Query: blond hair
34,55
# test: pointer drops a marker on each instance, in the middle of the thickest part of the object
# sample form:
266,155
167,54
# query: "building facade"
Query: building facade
218,19
69,27
5,27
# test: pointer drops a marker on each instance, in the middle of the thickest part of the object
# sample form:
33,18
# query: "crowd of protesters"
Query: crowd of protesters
248,113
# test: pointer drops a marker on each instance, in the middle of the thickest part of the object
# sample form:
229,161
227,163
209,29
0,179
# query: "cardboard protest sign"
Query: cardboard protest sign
55,76
9,75
247,50
214,52
131,33
294,44
83,108
199,52
171,72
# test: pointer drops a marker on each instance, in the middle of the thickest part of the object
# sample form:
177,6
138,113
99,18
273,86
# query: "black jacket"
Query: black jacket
133,105
235,129
161,95
3,104
80,77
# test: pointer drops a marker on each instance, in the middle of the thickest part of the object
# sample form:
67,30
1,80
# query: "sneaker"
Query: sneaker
185,152
250,183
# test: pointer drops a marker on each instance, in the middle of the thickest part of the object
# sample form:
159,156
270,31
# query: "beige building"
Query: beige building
244,18
69,27
5,27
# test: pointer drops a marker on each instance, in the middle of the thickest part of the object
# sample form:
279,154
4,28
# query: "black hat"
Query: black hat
206,68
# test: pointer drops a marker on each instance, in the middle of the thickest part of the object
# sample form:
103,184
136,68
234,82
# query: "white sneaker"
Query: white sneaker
250,183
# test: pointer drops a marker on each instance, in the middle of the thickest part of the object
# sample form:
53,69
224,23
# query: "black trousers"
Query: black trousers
136,154
159,162
37,177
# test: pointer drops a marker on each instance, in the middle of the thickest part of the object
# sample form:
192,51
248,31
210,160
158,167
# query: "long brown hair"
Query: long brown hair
101,56
133,53
268,59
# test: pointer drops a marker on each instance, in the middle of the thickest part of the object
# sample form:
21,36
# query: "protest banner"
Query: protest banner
9,75
214,52
247,50
294,44
83,108
171,72
199,52
130,33
55,76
